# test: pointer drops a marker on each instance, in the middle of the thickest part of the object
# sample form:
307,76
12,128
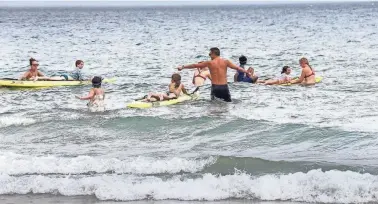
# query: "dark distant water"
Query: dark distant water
308,144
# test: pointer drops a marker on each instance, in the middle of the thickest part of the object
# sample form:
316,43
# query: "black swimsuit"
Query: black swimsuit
221,92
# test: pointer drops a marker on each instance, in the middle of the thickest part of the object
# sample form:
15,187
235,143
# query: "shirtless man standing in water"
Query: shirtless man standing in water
218,72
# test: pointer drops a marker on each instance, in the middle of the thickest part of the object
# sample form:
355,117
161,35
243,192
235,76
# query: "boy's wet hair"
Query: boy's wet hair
177,79
78,62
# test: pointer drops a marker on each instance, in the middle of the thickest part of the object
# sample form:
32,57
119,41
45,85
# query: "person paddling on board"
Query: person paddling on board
200,76
239,76
96,96
175,89
218,72
76,75
283,79
307,76
33,73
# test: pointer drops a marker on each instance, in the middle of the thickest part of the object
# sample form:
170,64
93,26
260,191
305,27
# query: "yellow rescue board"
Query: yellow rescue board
142,104
317,80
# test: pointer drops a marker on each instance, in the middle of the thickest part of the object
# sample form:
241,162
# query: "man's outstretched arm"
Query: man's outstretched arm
193,66
232,66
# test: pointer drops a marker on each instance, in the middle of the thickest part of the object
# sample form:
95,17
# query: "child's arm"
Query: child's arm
171,87
81,76
184,89
90,96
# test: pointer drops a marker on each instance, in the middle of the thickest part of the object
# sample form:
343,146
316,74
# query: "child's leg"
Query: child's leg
271,82
170,96
63,77
156,96
57,78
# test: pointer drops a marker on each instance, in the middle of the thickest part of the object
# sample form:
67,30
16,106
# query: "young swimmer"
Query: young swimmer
307,76
283,79
175,89
76,75
200,76
96,96
33,73
249,77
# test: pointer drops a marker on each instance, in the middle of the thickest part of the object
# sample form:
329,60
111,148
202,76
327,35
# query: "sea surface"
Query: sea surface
316,144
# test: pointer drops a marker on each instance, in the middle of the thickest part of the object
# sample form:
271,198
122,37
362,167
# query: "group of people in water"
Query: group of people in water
96,95
215,70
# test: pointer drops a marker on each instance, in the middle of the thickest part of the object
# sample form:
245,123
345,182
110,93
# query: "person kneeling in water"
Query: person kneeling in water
175,89
307,76
283,79
96,96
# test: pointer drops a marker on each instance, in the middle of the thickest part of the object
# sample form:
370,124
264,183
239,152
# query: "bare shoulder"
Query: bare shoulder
226,61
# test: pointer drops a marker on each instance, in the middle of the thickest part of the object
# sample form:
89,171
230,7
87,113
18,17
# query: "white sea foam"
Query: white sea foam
314,186
16,164
6,121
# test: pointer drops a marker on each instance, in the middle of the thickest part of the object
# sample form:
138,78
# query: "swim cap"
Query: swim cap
96,81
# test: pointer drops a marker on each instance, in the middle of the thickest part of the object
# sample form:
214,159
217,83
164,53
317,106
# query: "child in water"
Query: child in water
175,88
240,76
96,96
76,75
283,79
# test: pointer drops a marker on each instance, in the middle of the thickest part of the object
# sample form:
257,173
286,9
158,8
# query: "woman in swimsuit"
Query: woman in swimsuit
33,73
175,89
307,76
96,96
283,79
200,76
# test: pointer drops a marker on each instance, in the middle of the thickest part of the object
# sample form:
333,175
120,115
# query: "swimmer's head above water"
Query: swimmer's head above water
303,62
33,64
176,78
96,82
243,60
214,53
79,64
286,70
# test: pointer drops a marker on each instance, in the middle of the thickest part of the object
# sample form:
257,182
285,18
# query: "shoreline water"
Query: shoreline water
163,4
47,199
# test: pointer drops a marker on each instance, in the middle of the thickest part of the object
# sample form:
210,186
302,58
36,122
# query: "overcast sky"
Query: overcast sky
150,2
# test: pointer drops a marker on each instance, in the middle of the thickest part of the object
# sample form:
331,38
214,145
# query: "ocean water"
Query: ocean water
313,144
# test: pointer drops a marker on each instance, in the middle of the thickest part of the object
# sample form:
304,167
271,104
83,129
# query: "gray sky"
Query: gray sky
33,3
